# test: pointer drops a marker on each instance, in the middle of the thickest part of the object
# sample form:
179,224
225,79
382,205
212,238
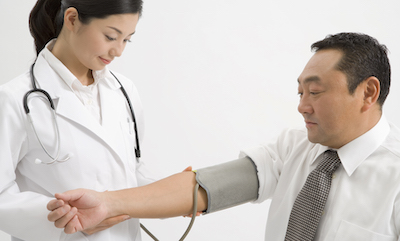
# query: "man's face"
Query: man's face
330,112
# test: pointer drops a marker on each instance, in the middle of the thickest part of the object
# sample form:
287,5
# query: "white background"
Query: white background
217,76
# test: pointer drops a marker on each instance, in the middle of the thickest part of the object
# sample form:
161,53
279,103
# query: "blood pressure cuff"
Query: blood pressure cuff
229,184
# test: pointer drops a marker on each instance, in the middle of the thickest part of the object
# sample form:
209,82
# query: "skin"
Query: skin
86,47
83,48
333,118
169,197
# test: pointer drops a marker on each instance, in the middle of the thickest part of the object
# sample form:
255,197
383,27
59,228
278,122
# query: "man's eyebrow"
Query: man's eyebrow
119,31
310,79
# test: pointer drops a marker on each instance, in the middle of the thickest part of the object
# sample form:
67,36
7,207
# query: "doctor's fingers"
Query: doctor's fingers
58,212
54,204
73,225
65,219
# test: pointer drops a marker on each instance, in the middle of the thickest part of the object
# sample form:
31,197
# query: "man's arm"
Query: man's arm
169,197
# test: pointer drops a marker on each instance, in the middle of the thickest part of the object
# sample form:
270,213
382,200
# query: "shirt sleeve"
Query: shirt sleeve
271,158
268,166
22,214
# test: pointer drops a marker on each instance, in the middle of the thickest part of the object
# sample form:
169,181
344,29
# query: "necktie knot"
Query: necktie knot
329,163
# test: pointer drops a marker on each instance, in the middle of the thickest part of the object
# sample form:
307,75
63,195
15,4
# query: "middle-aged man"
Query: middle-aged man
336,179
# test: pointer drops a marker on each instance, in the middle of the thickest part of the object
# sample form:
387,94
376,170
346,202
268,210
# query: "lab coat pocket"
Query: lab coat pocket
351,232
128,132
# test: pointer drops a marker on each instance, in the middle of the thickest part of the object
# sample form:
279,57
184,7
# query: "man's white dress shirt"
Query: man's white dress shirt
364,200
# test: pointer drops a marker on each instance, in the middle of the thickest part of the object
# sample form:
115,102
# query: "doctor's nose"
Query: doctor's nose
117,50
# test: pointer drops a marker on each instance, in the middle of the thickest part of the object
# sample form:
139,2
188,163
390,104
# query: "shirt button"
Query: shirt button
333,176
89,102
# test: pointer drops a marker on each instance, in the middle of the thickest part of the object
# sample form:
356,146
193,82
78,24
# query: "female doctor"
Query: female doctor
91,140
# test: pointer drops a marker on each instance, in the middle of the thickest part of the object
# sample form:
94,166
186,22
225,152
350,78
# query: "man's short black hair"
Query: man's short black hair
363,57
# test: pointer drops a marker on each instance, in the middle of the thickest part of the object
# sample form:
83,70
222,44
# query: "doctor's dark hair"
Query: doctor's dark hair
363,57
47,16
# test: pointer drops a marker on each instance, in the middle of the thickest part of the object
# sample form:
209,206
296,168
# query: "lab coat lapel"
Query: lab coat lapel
70,107
112,110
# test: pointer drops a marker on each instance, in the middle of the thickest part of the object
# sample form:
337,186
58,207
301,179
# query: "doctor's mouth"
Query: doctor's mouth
105,61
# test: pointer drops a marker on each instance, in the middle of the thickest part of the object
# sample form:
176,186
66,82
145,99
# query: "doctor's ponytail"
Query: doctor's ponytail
47,16
45,22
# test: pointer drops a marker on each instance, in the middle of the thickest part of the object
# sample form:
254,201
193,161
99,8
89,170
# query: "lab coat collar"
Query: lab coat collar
357,151
48,79
69,106
59,68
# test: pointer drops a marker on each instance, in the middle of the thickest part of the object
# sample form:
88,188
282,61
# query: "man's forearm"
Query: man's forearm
169,197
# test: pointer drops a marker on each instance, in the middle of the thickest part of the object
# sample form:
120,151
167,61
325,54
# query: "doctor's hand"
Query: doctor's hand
81,210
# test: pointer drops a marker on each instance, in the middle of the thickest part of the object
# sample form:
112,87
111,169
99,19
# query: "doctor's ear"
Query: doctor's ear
71,18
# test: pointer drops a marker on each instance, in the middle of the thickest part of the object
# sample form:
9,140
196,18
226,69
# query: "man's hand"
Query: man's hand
81,210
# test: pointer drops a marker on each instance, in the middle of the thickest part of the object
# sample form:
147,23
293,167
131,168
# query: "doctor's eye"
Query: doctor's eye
110,38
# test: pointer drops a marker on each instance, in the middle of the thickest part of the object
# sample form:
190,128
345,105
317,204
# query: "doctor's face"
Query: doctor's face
330,112
96,44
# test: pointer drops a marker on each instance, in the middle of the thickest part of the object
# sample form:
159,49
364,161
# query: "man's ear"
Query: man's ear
71,18
372,89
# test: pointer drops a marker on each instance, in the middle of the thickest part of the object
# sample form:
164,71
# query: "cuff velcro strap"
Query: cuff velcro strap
229,184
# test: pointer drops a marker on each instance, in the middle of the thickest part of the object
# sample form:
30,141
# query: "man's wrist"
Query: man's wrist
116,203
111,203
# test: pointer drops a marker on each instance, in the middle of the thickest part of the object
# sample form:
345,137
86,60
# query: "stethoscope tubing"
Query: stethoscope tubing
51,104
55,159
137,149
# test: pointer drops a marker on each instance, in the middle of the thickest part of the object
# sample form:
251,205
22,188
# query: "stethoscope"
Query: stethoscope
70,155
53,112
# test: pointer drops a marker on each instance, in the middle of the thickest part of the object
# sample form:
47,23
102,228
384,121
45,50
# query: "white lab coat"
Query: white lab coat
103,155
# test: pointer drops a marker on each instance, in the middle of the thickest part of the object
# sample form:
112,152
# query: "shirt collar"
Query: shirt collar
107,78
103,75
355,152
